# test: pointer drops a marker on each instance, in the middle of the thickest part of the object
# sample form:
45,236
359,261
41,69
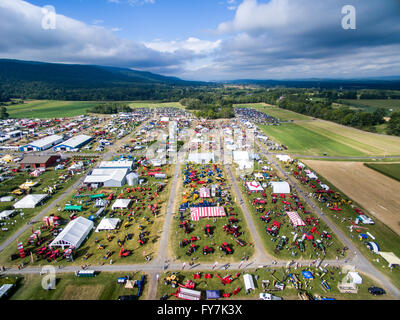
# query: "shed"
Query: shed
38,161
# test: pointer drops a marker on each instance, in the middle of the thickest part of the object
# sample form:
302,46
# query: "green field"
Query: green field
392,170
49,109
70,287
44,109
301,140
370,105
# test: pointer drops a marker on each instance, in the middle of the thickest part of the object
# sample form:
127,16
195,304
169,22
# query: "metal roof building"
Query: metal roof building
73,143
42,144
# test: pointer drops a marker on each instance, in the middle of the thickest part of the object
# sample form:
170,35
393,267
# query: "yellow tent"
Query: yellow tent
7,158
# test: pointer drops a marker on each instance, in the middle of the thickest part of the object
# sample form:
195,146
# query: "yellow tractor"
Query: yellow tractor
100,247
172,281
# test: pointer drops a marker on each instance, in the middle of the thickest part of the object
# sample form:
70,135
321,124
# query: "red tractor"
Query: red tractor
207,250
273,231
226,280
208,230
184,243
185,226
191,249
259,201
226,248
326,235
266,219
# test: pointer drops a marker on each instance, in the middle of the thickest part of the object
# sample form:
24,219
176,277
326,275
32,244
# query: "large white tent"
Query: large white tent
283,157
6,214
391,258
121,204
74,233
108,224
248,282
201,158
30,201
280,187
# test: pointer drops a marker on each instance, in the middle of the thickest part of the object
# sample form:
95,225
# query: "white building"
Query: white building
107,177
201,158
42,144
73,143
30,201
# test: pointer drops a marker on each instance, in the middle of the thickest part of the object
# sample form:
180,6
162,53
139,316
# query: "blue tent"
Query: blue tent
307,274
212,294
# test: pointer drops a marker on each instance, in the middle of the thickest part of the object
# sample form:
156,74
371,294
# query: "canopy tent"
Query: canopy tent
280,187
7,158
6,214
108,224
248,282
30,201
121,204
74,233
354,277
204,193
295,219
391,258
373,246
204,212
254,186
283,157
307,274
212,294
312,175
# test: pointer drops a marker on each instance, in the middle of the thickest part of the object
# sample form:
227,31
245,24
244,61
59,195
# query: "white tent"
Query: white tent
201,158
391,258
280,187
240,156
354,277
6,214
74,233
30,201
121,204
312,175
108,224
248,282
254,186
283,157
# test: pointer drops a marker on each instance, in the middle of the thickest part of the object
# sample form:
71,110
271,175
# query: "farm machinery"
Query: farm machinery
234,230
207,250
225,280
208,230
226,248
191,250
282,242
171,280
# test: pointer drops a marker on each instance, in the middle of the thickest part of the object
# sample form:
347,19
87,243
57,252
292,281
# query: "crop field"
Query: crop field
70,287
370,105
151,104
391,170
301,140
45,109
197,228
312,286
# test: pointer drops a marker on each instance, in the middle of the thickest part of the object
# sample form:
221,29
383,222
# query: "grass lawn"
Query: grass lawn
219,235
314,287
154,104
302,140
387,239
392,170
70,287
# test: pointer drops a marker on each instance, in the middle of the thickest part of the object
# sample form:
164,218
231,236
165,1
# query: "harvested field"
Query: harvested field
375,192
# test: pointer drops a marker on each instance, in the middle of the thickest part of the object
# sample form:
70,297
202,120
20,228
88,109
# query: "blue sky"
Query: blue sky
163,19
209,39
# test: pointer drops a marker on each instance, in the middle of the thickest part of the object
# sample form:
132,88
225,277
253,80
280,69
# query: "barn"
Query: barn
35,162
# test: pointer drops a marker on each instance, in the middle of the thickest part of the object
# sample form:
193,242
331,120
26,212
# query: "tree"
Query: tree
394,124
3,113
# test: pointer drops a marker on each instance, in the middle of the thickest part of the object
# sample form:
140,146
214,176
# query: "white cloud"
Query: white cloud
191,44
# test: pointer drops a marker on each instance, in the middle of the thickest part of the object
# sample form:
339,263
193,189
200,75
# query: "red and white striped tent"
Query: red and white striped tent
205,212
295,219
204,193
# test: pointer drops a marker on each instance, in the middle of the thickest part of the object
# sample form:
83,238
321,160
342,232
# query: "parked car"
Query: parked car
376,291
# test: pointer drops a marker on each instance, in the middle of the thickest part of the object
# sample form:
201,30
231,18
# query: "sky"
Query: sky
208,39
